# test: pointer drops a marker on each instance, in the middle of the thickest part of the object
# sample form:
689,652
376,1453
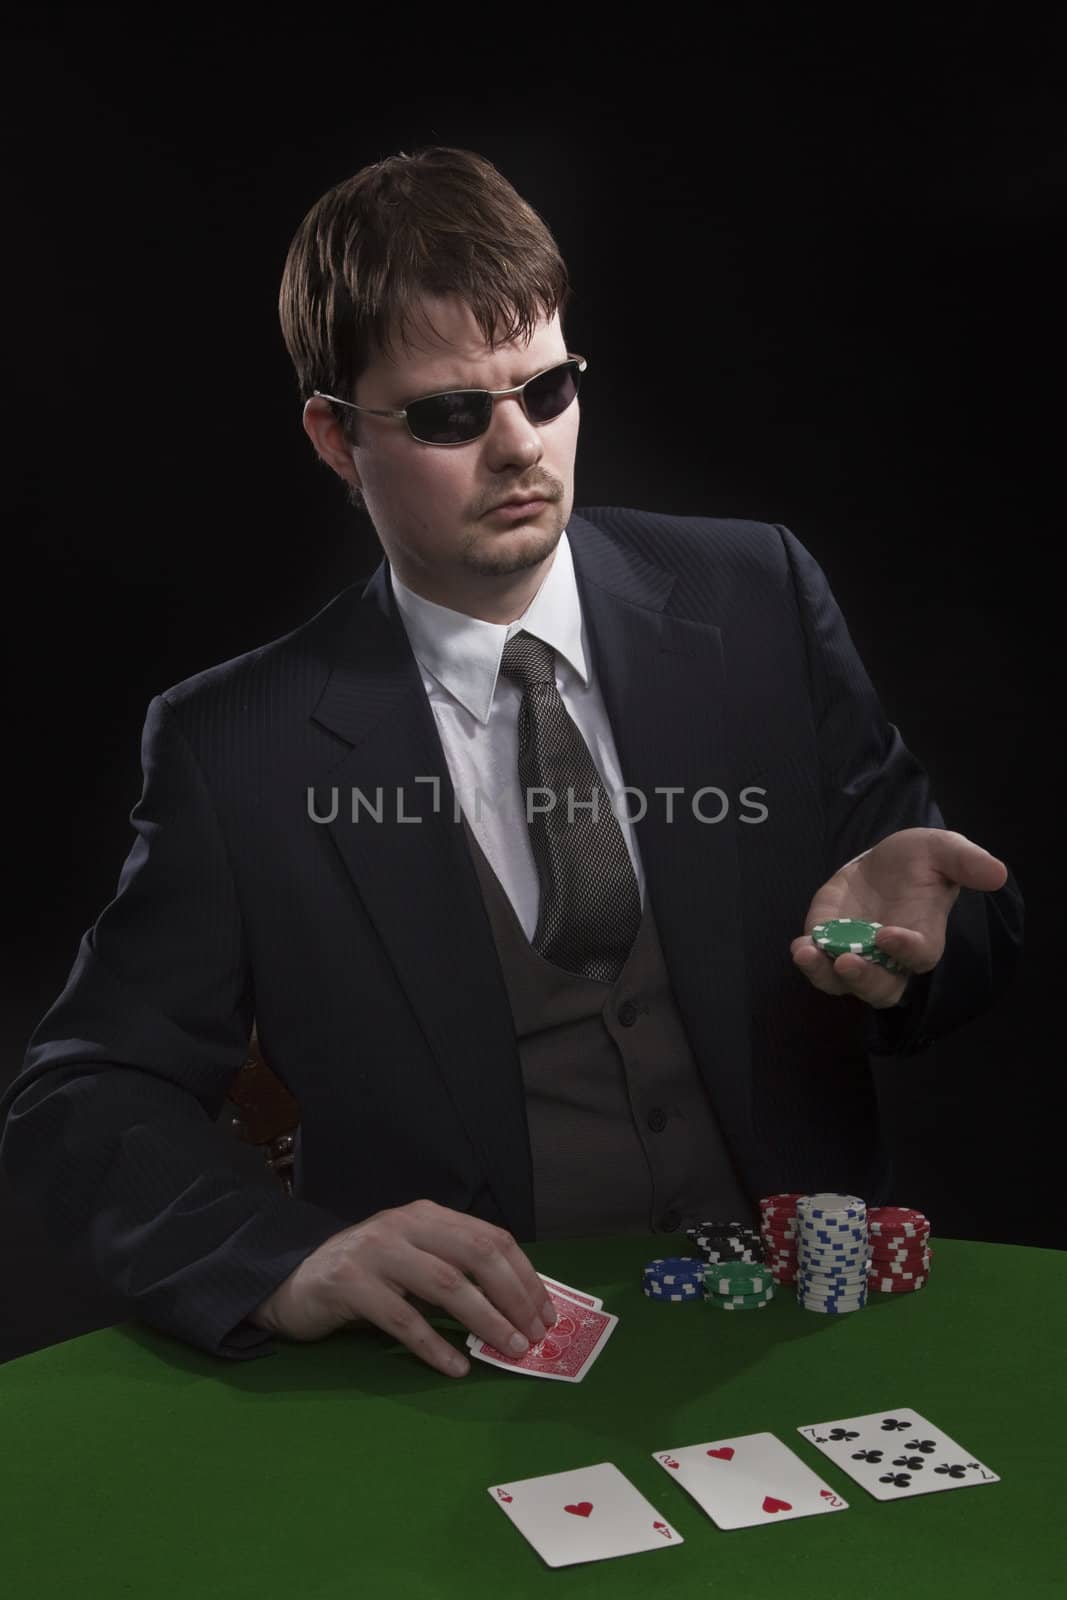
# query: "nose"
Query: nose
511,435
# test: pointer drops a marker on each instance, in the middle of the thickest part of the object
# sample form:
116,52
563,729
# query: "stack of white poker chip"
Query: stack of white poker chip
833,1257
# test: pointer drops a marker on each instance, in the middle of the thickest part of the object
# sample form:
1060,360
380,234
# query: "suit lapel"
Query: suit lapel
419,886
413,870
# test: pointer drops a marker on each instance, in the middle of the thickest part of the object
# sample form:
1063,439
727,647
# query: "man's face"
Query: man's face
432,504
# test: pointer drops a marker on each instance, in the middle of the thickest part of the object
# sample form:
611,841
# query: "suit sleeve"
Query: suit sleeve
108,1131
873,786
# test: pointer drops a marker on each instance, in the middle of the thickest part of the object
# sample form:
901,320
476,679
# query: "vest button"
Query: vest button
657,1119
627,1013
669,1221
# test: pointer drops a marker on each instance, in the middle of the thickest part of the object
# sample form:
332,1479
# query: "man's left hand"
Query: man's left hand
909,883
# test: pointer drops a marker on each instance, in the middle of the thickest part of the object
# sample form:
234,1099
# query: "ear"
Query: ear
325,433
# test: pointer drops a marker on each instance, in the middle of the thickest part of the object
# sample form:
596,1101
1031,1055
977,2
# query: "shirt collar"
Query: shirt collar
463,653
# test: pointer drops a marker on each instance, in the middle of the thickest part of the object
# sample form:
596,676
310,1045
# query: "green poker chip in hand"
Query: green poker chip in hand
846,936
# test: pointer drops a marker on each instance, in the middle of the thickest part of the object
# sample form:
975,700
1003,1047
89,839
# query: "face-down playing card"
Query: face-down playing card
584,1515
580,1295
568,1349
749,1481
896,1453
555,1291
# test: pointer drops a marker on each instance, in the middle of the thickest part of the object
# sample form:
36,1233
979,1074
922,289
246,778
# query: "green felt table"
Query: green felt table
135,1465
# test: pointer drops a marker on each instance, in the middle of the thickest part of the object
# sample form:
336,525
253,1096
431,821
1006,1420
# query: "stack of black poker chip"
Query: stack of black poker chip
726,1241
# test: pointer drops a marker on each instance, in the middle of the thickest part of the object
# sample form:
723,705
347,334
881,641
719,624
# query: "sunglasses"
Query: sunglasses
460,415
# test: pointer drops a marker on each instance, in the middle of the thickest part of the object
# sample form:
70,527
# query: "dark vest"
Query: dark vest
622,1133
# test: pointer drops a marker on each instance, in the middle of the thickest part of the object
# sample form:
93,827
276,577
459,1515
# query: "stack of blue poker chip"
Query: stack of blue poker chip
675,1278
833,1258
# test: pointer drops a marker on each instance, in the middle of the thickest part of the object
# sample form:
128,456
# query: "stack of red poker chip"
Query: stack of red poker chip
778,1230
900,1249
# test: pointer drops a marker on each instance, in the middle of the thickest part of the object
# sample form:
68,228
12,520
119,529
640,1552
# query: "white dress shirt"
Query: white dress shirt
477,711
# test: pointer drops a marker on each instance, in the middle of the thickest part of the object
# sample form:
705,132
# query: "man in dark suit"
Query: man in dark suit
507,1009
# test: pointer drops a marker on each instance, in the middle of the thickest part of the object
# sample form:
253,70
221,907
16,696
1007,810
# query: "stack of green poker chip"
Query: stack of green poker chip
746,1302
738,1285
843,936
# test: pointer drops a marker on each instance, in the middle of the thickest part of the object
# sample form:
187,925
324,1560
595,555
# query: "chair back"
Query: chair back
264,1113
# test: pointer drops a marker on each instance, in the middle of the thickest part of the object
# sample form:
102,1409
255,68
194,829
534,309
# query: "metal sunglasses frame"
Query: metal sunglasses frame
494,394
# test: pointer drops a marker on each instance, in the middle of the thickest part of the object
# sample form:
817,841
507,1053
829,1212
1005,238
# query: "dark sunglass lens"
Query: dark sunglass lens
551,393
449,418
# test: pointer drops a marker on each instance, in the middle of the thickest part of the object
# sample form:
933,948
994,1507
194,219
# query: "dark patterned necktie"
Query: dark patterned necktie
590,907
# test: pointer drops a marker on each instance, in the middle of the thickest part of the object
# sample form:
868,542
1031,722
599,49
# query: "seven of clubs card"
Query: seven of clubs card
895,1454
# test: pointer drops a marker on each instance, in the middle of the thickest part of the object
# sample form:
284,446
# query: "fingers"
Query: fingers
509,1286
850,974
909,949
388,1310
815,967
427,1250
976,868
966,863
447,1285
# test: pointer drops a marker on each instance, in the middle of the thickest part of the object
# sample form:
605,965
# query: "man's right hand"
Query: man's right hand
365,1273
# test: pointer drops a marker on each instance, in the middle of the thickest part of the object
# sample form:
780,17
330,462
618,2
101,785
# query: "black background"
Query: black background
817,278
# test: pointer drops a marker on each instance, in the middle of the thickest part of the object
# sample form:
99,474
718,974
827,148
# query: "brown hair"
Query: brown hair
441,221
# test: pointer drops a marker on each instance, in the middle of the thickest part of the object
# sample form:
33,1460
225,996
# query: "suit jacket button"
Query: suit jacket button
669,1221
657,1119
627,1013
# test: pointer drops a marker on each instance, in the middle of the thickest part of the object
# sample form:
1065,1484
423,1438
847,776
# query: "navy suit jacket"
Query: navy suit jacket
364,953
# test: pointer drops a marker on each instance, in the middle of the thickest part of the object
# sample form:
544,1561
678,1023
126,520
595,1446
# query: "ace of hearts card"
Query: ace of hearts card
588,1514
